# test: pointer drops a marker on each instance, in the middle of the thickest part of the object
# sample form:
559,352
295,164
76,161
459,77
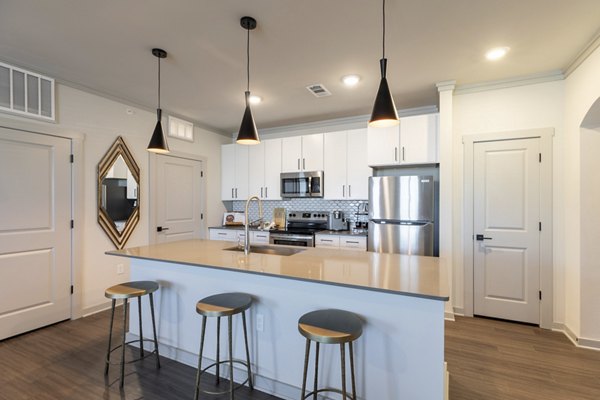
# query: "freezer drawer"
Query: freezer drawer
415,238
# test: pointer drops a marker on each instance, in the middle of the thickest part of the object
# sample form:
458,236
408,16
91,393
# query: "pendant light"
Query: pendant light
248,133
384,110
158,142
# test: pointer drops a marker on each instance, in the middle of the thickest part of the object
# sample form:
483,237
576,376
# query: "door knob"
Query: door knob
160,229
481,237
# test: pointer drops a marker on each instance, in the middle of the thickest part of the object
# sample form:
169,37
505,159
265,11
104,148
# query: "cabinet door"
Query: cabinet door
256,174
335,160
241,172
291,154
228,172
329,241
353,243
259,237
312,152
383,145
223,234
272,184
418,139
358,171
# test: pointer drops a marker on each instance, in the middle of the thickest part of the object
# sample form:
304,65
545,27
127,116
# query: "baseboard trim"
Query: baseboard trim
584,343
86,312
449,316
459,311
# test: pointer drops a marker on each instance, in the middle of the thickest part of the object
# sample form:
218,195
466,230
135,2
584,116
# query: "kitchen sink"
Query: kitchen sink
278,251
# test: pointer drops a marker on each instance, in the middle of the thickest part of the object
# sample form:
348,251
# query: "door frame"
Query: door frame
77,179
546,247
152,237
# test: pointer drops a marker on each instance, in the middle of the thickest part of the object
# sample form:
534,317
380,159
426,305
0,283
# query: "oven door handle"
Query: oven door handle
289,237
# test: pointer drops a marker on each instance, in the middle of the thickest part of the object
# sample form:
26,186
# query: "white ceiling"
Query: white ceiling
105,45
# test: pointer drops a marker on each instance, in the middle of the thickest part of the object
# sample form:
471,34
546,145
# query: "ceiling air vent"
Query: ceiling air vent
318,90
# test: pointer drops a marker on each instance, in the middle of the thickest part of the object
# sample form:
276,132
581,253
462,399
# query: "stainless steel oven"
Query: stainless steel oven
300,229
290,239
302,184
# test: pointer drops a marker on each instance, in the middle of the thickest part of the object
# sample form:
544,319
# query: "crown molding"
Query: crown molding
533,79
583,54
446,85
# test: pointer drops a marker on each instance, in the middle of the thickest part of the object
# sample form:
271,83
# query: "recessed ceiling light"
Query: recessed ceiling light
496,53
255,99
351,80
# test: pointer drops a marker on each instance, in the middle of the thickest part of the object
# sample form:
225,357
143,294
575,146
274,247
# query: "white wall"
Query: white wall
101,120
582,278
508,109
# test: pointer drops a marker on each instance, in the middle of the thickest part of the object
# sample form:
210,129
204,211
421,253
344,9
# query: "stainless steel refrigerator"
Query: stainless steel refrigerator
401,215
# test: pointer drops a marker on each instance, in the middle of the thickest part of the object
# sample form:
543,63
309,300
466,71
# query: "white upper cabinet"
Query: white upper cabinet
413,141
264,169
302,153
234,172
346,170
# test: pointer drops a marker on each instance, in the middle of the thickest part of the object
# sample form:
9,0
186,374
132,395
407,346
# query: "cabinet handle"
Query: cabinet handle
261,236
343,190
298,164
261,192
232,195
351,241
266,192
303,163
395,154
349,190
326,240
236,193
221,234
402,153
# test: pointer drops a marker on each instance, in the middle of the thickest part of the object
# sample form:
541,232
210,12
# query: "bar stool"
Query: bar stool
126,291
330,327
224,305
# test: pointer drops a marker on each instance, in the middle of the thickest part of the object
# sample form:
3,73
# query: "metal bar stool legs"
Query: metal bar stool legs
223,305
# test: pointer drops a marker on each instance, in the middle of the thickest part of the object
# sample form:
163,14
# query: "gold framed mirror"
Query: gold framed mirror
118,193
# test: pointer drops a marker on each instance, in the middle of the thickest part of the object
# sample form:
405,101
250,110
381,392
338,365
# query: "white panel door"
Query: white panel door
383,145
291,154
228,172
272,189
178,198
335,161
35,231
241,172
418,139
256,174
358,171
312,152
506,201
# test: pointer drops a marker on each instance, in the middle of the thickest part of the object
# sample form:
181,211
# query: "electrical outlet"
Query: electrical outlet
260,322
120,269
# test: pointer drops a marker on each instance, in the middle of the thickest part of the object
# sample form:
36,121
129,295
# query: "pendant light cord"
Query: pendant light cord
158,82
248,60
383,41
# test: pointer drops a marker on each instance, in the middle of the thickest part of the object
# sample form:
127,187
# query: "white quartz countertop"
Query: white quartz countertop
418,276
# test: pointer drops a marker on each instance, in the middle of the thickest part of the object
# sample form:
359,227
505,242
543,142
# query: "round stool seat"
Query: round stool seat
222,305
330,326
128,290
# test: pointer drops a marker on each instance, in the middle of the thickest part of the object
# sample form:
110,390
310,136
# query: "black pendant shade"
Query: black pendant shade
384,110
248,134
158,142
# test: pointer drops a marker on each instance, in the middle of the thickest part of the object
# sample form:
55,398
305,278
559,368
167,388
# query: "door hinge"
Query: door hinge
540,158
201,174
540,226
540,294
71,289
72,224
72,158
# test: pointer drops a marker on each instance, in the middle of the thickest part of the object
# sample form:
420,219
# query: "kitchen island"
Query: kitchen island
400,299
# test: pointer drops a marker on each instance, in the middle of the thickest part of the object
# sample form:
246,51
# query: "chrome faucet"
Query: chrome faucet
247,224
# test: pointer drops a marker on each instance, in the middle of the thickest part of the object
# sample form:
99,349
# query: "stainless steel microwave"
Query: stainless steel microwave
302,184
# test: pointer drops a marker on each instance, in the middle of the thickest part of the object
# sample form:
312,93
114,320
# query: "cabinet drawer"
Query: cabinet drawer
260,237
223,234
350,242
327,241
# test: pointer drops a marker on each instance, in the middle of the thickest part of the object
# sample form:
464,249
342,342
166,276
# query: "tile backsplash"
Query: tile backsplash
349,207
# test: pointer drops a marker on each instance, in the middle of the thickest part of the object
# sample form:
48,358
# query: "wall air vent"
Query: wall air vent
318,90
26,93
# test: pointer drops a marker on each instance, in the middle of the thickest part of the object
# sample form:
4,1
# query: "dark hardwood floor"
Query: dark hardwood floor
487,360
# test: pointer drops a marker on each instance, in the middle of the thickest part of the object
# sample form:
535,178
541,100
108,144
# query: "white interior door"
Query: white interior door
506,201
35,237
178,199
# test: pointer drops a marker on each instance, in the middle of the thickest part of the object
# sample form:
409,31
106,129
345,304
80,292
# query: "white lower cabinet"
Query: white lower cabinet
344,242
233,235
